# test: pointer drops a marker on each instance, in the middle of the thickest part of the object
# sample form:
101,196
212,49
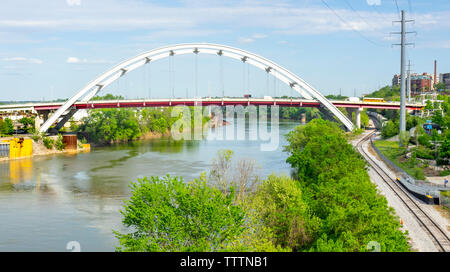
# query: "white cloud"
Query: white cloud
373,2
252,38
201,18
245,40
114,15
24,60
443,44
75,60
259,36
73,2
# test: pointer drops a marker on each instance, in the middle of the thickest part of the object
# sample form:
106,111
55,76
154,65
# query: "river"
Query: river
48,201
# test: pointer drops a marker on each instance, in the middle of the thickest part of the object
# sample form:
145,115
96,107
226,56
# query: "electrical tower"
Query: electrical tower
403,45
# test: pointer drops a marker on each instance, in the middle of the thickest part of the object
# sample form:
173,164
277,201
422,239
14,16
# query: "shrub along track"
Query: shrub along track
438,236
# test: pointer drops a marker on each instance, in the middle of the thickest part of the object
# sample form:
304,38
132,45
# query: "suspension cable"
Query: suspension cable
196,75
149,81
221,75
248,77
274,83
243,77
170,76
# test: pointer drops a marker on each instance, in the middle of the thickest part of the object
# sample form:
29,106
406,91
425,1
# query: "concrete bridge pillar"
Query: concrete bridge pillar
358,117
37,123
41,115
303,118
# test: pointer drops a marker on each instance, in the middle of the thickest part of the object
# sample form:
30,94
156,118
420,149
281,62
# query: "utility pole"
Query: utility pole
408,86
403,45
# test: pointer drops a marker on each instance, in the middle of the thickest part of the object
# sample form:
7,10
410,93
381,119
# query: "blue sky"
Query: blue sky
51,48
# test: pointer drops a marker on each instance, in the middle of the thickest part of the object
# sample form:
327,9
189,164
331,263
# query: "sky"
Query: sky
49,49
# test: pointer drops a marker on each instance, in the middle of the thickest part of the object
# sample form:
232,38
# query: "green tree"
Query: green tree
444,151
108,97
6,126
389,129
338,190
439,86
437,118
429,105
166,214
404,138
111,125
27,124
281,208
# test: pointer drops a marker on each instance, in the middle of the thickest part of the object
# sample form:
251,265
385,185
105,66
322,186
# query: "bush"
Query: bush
425,140
166,214
280,206
389,129
442,161
59,143
424,153
37,136
48,142
418,173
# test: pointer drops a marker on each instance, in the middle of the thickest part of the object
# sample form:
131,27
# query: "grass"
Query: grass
394,152
354,134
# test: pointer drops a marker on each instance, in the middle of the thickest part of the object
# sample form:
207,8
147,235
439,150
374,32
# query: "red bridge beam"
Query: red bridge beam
169,103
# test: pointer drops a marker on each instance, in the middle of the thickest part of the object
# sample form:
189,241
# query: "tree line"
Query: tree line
328,205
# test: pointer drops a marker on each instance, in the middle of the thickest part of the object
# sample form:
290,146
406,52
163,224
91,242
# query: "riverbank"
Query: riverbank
145,136
39,149
65,198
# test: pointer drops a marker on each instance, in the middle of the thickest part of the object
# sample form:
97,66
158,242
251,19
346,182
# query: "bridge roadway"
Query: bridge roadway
282,102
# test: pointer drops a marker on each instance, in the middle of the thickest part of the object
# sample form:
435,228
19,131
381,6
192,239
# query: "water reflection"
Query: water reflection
50,200
20,170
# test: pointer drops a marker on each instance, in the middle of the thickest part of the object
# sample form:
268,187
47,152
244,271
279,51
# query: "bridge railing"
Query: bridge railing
419,188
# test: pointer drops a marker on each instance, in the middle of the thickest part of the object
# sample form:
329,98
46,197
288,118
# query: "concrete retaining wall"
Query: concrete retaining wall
426,191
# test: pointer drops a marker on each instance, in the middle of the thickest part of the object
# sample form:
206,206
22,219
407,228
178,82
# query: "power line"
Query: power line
345,22
362,18
351,7
396,4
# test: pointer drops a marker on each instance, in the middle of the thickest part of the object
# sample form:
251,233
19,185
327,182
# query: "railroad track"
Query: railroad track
438,236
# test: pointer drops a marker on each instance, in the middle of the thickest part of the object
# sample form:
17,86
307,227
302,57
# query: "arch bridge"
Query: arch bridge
84,95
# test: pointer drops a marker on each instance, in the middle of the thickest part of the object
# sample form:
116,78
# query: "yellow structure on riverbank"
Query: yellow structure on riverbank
20,148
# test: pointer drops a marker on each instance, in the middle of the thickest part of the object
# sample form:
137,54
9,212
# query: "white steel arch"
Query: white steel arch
295,82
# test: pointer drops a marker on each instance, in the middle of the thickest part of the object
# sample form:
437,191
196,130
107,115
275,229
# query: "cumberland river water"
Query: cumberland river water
48,201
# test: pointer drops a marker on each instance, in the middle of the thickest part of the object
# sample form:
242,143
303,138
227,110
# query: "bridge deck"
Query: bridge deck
99,104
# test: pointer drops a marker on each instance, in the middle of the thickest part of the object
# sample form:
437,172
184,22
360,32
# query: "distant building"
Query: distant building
421,83
396,80
445,78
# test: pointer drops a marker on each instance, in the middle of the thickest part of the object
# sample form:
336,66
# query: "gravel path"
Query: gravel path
419,239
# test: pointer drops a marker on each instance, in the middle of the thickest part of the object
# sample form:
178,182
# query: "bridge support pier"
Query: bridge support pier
357,112
37,120
358,117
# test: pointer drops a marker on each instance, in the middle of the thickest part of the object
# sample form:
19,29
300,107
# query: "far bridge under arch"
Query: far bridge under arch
96,85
